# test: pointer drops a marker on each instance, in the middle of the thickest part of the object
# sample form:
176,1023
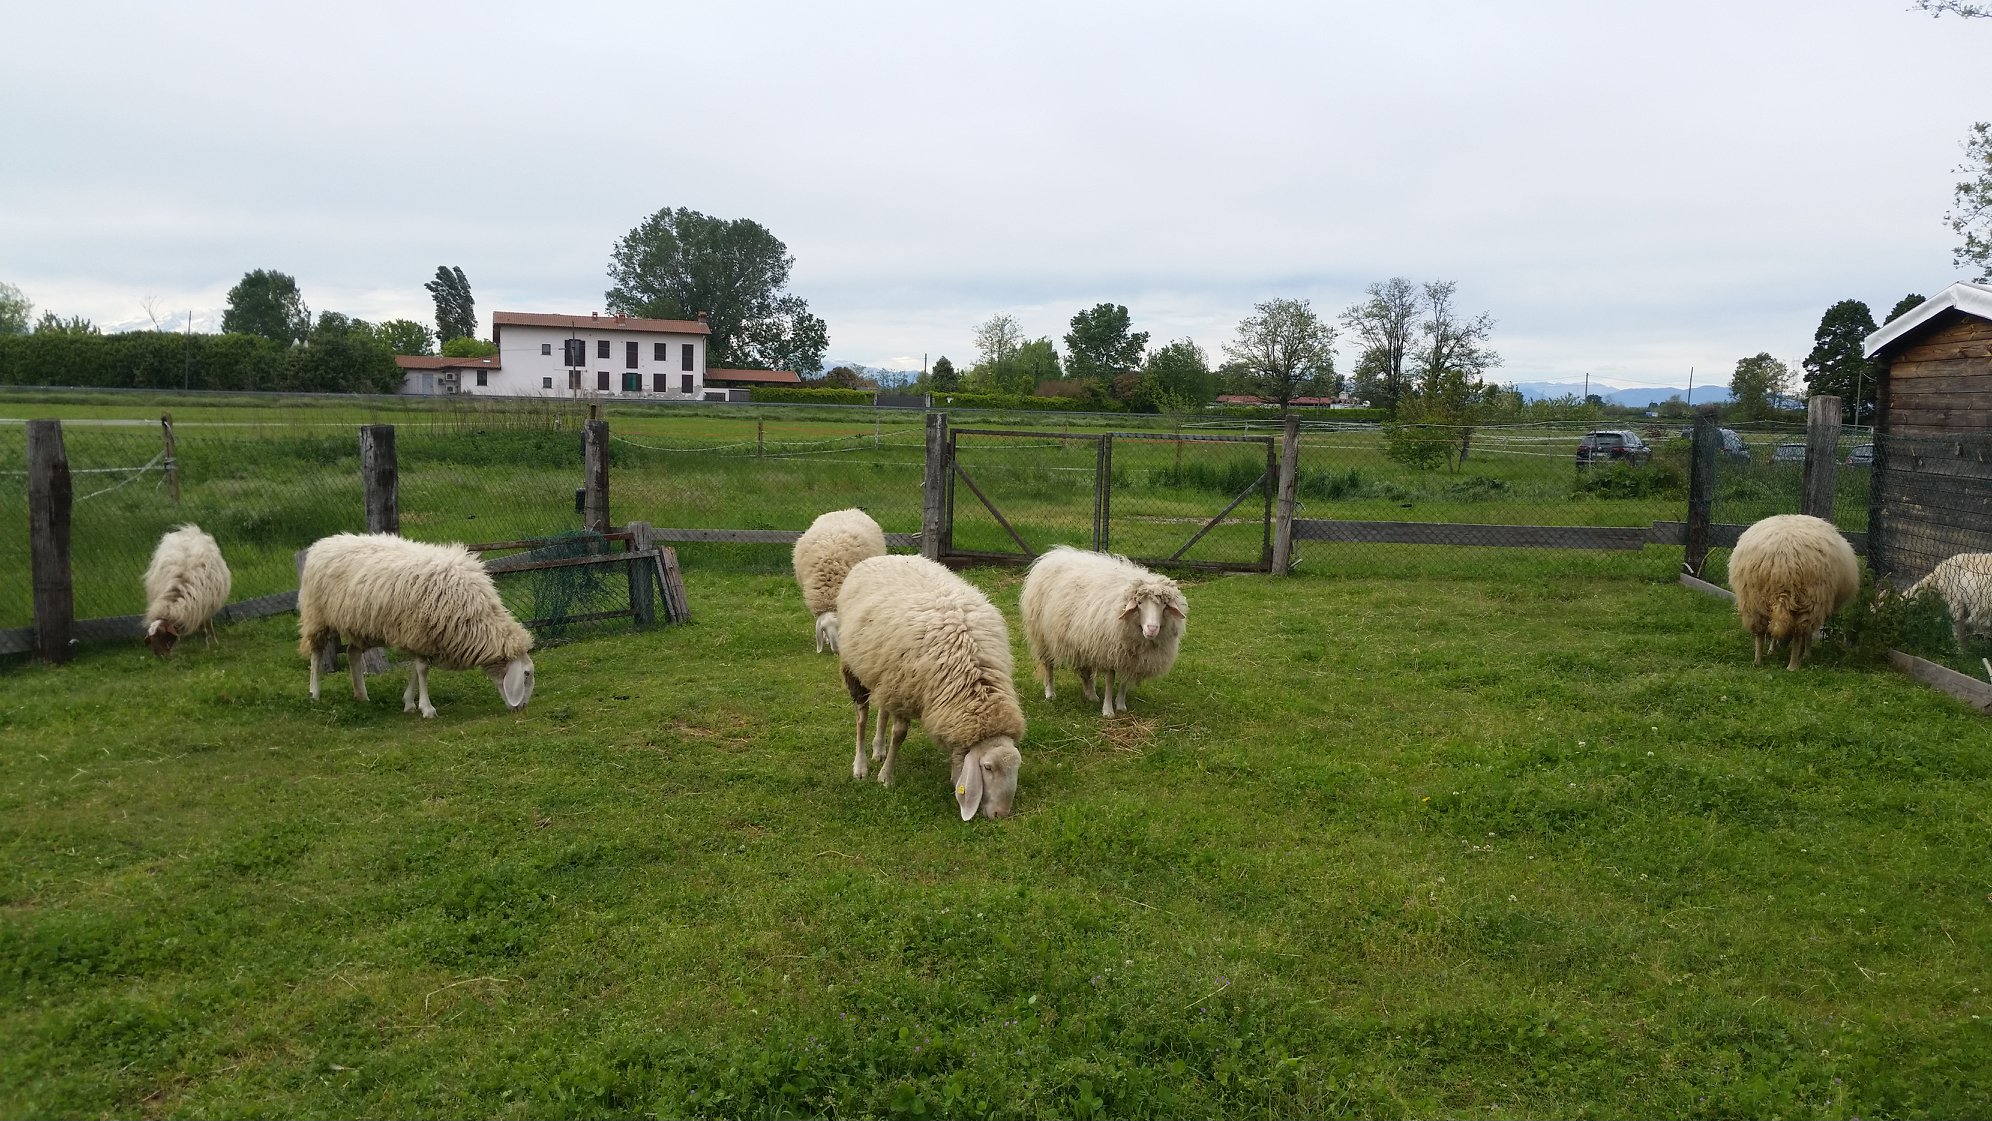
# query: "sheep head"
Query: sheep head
986,778
514,680
1154,600
161,636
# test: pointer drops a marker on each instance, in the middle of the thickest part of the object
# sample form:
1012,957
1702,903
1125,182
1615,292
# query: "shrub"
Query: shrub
785,395
1622,480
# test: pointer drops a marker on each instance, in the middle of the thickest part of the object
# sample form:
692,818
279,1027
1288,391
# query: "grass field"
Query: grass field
1523,835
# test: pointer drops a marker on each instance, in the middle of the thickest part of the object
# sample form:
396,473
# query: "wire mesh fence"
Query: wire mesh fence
1761,471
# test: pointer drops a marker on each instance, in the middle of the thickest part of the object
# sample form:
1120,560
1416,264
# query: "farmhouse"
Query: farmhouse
429,375
735,385
597,356
1932,490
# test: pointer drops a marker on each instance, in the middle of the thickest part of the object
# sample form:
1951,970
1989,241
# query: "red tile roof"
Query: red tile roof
438,362
755,377
597,323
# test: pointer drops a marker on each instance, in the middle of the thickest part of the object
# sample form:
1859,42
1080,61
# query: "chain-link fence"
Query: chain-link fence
1760,471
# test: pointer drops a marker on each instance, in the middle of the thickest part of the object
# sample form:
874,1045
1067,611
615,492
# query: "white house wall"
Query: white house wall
524,371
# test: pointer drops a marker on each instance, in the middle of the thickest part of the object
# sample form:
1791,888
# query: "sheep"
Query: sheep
823,554
919,641
1101,613
185,585
1965,583
1791,572
435,602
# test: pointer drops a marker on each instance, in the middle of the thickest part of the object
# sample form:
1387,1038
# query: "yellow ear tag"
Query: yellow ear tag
960,789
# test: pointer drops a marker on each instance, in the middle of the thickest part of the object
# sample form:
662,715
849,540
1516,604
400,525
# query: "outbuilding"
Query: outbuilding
1931,496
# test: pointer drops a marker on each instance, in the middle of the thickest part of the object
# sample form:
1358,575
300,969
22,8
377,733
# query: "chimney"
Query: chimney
594,315
705,317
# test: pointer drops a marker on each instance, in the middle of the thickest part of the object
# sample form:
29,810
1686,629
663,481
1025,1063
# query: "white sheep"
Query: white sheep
1104,614
923,643
823,555
185,586
1791,572
434,602
1965,582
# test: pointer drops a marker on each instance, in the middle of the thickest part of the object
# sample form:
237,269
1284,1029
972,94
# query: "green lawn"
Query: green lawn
1442,833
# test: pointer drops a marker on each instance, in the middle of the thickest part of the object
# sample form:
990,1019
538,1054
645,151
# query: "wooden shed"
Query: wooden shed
1932,490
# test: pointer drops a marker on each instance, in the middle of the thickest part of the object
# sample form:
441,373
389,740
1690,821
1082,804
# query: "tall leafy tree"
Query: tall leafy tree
267,303
1387,326
1835,365
943,378
1971,214
997,338
467,347
1904,304
1449,341
677,263
53,324
1759,382
1285,347
456,312
16,310
1101,346
1177,378
405,336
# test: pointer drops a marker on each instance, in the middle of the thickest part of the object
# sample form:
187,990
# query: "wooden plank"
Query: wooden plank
1458,533
109,627
1908,368
1970,690
1285,498
49,500
1258,486
934,485
1701,493
674,586
172,461
1822,456
1723,535
538,542
642,568
17,640
1706,588
595,474
380,475
276,603
1944,350
994,512
528,564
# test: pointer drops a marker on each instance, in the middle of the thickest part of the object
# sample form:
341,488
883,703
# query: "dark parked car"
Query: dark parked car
1613,443
1789,452
1861,456
1732,444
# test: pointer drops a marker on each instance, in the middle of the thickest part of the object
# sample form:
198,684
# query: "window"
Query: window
577,352
685,362
632,383
546,348
629,355
602,379
546,383
687,379
602,348
663,352
660,383
482,374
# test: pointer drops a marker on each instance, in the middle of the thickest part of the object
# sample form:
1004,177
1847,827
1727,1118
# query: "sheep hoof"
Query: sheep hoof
429,713
859,770
408,706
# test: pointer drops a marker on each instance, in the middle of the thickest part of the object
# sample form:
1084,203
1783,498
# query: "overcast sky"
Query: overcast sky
1630,190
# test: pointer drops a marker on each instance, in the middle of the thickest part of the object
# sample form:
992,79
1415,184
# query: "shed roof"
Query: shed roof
442,362
1964,296
754,377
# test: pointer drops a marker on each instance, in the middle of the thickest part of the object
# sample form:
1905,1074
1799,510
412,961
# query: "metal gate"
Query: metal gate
1156,497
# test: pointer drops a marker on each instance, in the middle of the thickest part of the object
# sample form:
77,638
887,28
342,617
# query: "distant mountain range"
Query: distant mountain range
886,379
1636,396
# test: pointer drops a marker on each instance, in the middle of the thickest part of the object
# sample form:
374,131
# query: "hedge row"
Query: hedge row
780,395
158,360
774,395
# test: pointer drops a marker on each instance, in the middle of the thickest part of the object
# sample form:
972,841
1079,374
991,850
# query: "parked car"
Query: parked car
1732,445
1612,443
1861,456
1791,451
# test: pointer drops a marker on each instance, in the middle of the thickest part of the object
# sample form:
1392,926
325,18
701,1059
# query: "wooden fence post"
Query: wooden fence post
642,575
1822,456
1701,493
934,498
760,432
49,497
382,477
595,469
1289,482
172,458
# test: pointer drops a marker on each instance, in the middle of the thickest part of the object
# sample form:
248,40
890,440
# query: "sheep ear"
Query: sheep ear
968,787
1179,610
1130,607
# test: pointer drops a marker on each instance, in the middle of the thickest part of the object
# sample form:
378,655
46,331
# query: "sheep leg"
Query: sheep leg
899,726
861,702
1759,640
878,739
1120,698
1045,671
353,654
1107,693
421,678
317,656
408,694
1086,683
1800,643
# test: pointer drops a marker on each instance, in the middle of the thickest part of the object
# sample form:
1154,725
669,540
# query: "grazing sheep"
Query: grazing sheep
823,555
185,585
1965,582
435,602
1791,572
1101,613
923,643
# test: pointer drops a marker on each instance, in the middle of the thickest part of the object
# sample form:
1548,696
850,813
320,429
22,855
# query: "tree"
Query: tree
1101,346
1955,7
1387,325
843,377
677,263
1450,342
405,336
1972,217
16,310
997,338
456,312
1284,345
943,378
1836,365
53,324
1176,379
467,347
267,303
1904,304
1759,381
